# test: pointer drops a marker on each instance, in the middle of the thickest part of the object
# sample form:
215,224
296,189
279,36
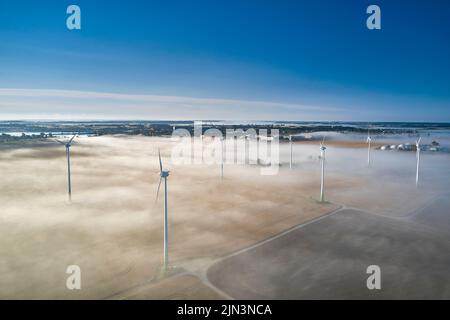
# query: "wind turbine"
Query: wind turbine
369,140
246,149
418,160
290,145
163,175
257,149
68,144
322,178
221,156
202,136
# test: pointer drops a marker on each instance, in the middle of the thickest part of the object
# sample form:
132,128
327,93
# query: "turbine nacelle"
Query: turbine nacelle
418,143
164,173
68,143
322,148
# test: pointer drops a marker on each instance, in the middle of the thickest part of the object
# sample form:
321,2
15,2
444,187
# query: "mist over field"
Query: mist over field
114,230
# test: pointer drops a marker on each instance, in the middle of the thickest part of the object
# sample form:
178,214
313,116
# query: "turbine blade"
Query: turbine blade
59,141
323,140
160,162
71,139
157,191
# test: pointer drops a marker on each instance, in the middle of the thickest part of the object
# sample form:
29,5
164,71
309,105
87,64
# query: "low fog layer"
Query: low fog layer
113,228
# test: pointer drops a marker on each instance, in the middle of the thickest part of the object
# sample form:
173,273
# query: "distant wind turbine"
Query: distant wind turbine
68,144
246,149
221,156
322,177
258,139
369,140
290,145
163,175
418,160
201,145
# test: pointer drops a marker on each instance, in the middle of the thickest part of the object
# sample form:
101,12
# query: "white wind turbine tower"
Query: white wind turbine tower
322,177
418,160
369,140
202,136
163,175
257,148
290,145
221,156
68,144
246,150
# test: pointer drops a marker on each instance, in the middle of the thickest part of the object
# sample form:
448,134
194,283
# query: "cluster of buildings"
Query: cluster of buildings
434,146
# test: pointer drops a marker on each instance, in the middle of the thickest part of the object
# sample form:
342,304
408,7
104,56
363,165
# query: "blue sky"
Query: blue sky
259,60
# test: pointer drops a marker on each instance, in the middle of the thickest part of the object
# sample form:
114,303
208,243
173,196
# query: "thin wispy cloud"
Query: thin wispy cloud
153,98
140,106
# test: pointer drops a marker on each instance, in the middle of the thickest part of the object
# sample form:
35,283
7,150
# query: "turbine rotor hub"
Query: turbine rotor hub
164,173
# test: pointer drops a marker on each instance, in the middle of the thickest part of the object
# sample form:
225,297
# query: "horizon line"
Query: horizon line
219,120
